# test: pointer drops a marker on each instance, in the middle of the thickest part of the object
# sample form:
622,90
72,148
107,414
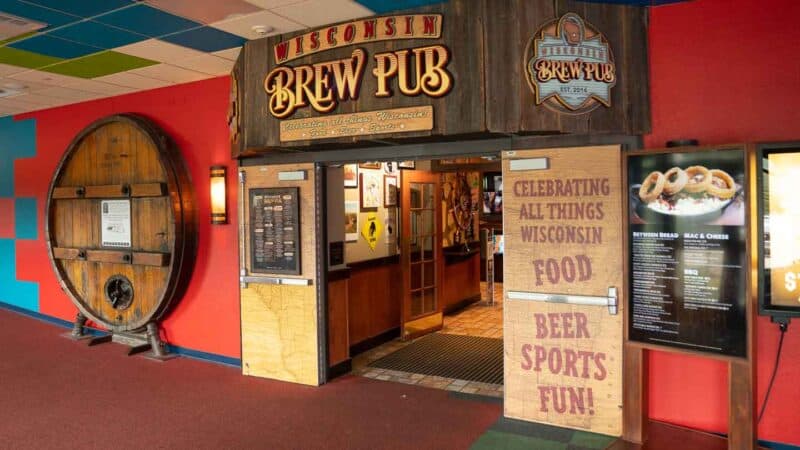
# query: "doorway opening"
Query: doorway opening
409,298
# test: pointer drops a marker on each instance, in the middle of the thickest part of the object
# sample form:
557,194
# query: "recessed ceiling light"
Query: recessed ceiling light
262,30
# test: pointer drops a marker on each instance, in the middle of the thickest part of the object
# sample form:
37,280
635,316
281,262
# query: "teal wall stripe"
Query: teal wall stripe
25,218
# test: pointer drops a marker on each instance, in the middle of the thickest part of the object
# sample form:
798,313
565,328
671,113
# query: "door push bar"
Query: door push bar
610,301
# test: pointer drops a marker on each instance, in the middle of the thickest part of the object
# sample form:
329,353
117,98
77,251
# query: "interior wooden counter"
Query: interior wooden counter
461,284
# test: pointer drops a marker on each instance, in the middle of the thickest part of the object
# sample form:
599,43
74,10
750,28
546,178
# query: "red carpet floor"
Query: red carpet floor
56,393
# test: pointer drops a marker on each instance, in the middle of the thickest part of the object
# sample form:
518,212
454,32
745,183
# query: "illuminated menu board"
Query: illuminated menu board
687,250
779,230
275,230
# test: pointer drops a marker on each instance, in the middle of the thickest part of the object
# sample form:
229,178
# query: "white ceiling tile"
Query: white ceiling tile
269,4
97,87
6,69
314,13
70,94
243,26
158,50
37,76
230,54
210,64
20,85
27,100
170,73
132,80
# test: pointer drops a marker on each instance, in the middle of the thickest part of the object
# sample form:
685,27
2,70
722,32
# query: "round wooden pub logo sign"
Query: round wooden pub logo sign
570,66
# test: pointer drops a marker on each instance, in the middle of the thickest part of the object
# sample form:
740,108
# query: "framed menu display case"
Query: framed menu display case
275,230
778,169
688,250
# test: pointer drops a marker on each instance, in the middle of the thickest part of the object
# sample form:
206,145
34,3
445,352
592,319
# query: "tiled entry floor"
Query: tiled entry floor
474,320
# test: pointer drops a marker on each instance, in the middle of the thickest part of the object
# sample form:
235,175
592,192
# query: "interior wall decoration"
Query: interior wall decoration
350,175
370,165
370,190
460,191
389,191
351,220
372,230
390,219
407,165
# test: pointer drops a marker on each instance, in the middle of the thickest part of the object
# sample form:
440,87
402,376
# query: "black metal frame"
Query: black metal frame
765,306
298,266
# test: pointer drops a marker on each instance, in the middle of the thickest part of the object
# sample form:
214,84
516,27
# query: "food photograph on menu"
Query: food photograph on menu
687,247
697,194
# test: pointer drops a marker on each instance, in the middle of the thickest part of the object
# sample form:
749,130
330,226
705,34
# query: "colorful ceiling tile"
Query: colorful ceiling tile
47,45
22,58
206,11
82,8
99,64
206,39
146,20
97,35
33,12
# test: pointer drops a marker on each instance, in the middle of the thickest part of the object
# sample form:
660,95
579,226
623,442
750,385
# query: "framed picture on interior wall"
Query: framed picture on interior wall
389,191
350,175
407,164
390,167
351,220
370,192
370,165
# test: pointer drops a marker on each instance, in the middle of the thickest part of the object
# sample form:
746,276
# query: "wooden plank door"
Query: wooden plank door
562,225
421,253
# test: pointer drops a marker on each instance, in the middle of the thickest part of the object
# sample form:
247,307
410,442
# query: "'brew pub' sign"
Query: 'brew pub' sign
569,67
323,85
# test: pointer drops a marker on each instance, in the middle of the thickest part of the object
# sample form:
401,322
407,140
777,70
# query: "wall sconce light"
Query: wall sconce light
219,210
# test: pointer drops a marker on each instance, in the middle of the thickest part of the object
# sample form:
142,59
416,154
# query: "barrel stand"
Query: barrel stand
139,342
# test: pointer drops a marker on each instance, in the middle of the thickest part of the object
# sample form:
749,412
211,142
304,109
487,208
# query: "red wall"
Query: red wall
194,115
726,71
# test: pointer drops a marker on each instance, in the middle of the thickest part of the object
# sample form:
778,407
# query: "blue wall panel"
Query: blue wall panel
17,140
24,294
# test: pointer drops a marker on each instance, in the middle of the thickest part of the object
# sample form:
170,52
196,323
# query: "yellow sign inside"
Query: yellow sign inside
372,230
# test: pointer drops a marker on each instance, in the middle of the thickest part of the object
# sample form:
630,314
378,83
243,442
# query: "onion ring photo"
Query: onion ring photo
722,185
652,186
699,179
676,179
